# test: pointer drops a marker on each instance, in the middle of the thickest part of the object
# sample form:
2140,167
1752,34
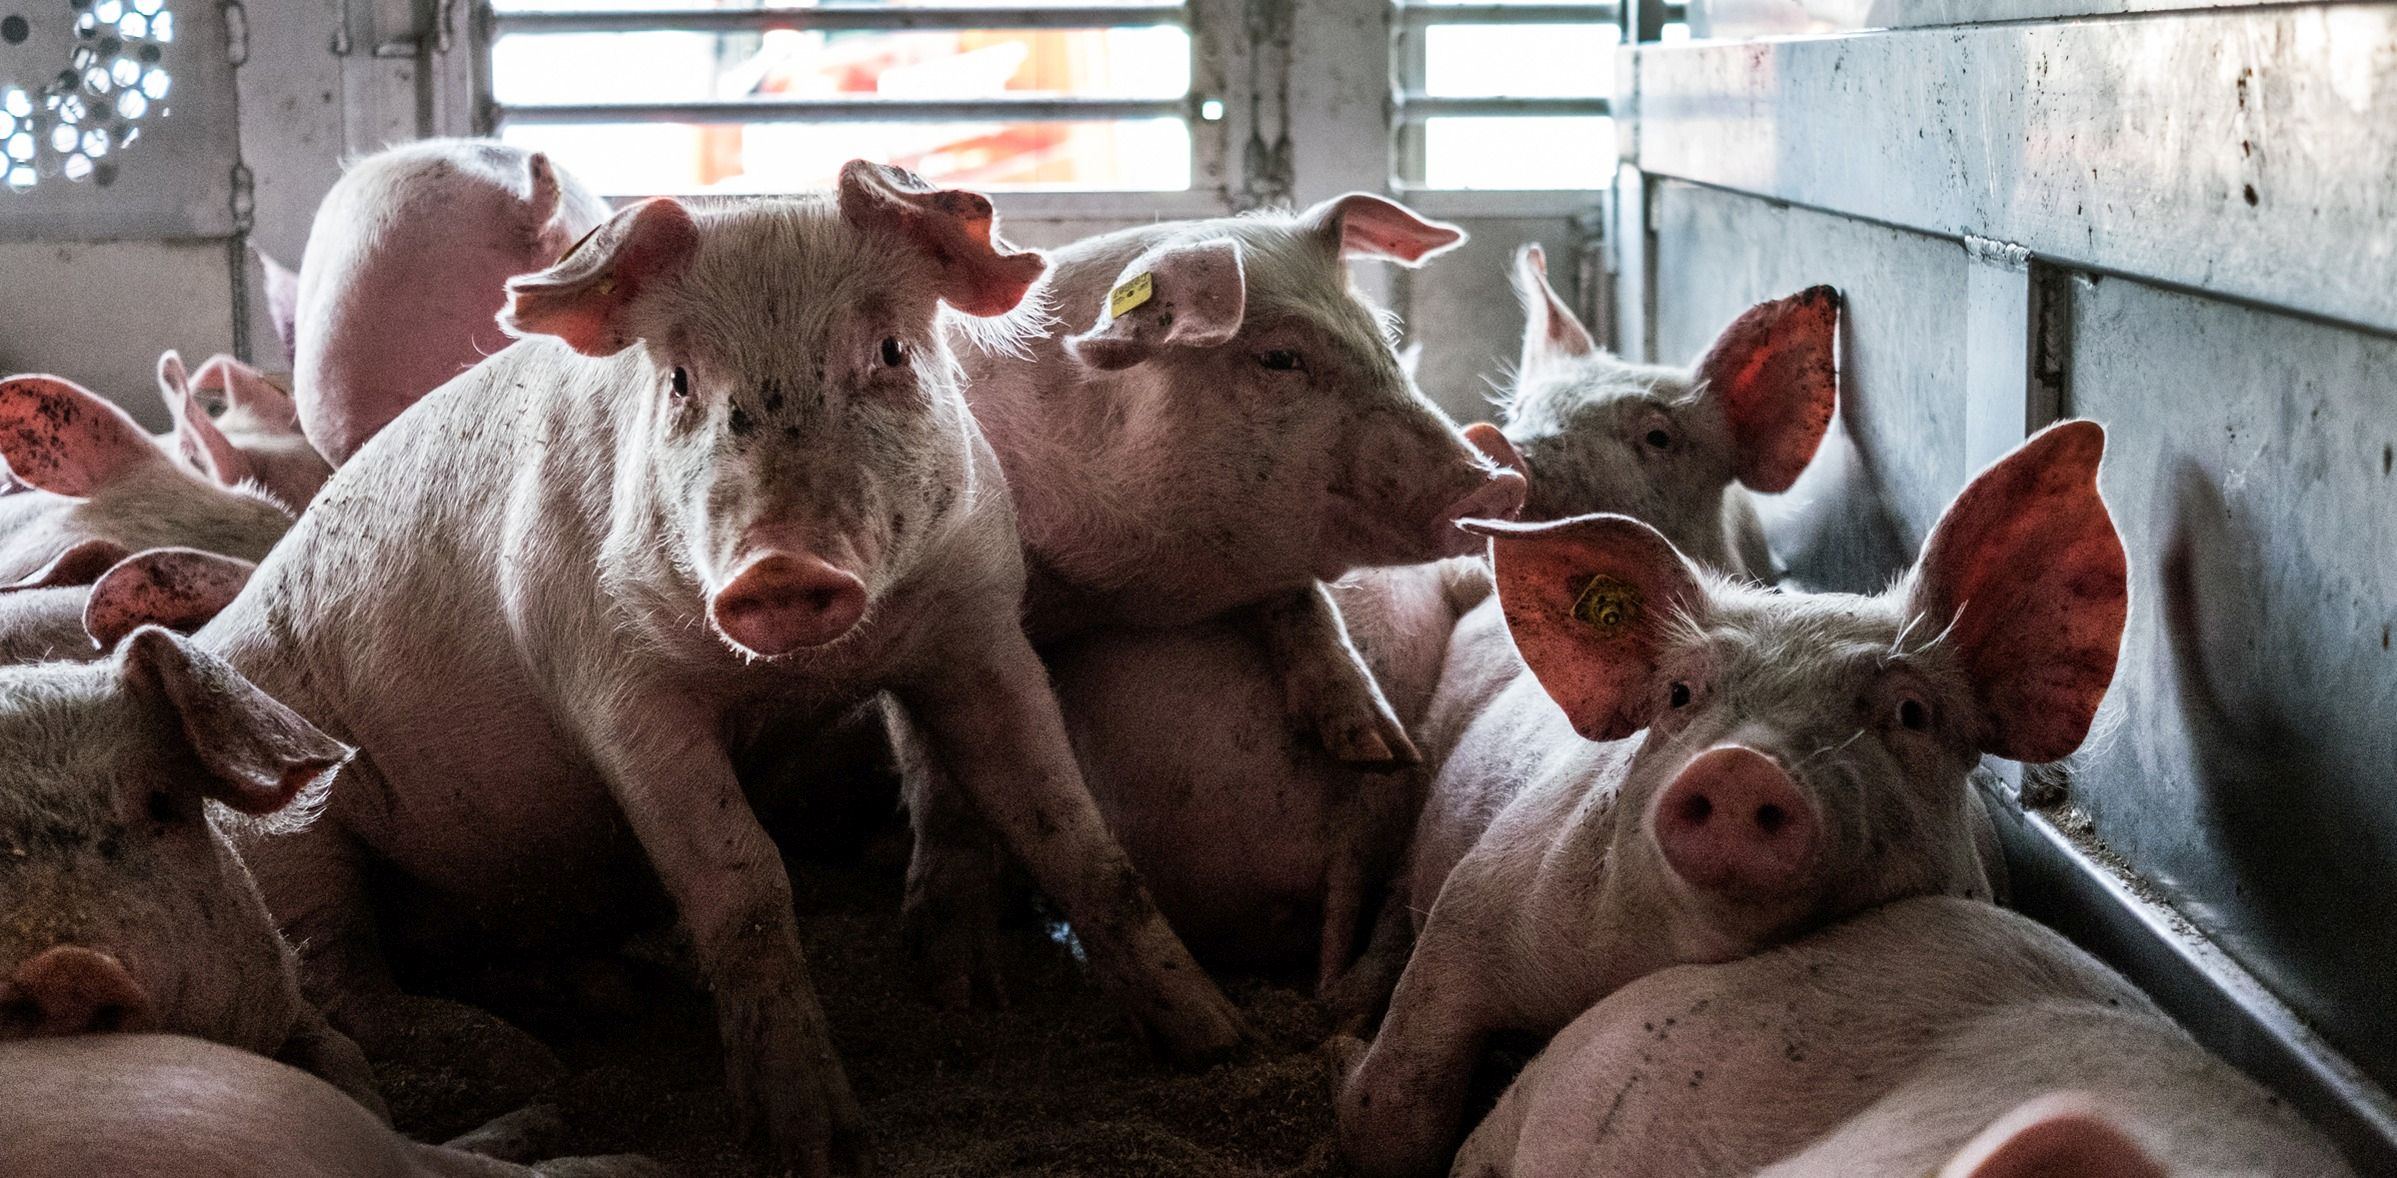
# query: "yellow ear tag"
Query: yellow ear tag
1135,291
1607,605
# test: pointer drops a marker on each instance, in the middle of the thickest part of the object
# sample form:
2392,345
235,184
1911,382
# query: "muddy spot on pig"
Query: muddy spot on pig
1058,1083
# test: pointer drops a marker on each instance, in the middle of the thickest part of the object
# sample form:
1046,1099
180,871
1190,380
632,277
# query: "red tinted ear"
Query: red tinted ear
1191,294
1550,330
979,273
2062,1135
2026,574
259,754
247,391
1367,226
197,438
1492,442
81,564
179,588
1775,373
585,299
63,438
1590,601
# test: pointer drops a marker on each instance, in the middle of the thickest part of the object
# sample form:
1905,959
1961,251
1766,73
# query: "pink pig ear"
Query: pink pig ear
1590,602
258,755
586,298
197,438
2061,1133
979,273
247,391
1775,374
63,438
1551,332
282,300
1362,225
179,588
2026,575
81,564
1191,295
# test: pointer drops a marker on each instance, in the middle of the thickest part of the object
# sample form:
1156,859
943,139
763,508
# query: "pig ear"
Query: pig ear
81,564
282,300
2026,576
1191,295
2062,1133
979,273
1775,375
1362,225
259,754
1590,602
1550,330
202,444
179,588
586,298
63,438
247,391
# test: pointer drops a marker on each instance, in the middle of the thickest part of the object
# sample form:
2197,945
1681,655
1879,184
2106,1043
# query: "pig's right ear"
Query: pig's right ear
2025,579
258,754
1774,374
587,297
179,588
1192,295
60,437
1551,332
2060,1133
976,270
1591,602
282,300
197,438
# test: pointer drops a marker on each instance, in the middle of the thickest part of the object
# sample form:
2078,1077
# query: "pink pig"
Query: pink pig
1688,769
256,440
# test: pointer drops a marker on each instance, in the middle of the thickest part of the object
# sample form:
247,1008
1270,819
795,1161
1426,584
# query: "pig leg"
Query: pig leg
951,914
675,783
316,1048
1356,996
1398,1112
994,727
1326,687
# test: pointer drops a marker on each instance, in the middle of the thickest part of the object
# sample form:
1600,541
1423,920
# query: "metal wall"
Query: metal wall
2183,225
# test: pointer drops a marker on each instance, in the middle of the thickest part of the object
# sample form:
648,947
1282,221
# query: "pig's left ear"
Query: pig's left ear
1191,295
258,754
179,588
1551,331
1775,374
63,438
2024,578
977,271
1362,225
1591,602
2060,1133
197,438
586,299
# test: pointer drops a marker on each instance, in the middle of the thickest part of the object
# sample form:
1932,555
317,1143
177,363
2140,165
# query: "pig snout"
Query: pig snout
1733,821
69,990
784,601
1500,496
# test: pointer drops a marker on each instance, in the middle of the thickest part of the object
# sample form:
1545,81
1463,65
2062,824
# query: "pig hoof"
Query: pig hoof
1343,1051
1210,1034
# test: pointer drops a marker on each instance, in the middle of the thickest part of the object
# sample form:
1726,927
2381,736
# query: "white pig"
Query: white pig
69,618
1804,756
257,438
123,906
1933,1035
406,267
725,478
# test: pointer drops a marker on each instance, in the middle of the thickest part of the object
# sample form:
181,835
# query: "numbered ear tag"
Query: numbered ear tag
1135,291
1607,605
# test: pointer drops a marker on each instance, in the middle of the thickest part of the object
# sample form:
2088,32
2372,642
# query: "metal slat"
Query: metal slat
1417,15
837,18
1414,108
850,110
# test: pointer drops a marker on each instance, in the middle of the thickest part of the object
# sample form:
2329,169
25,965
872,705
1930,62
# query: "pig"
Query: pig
60,617
406,269
1218,422
256,440
1168,723
123,905
1804,756
171,1106
724,479
1933,1035
101,488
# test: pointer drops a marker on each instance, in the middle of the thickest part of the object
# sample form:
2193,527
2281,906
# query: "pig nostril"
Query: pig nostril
1696,809
1771,818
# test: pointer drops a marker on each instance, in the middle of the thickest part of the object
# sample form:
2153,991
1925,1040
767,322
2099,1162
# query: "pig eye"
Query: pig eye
1680,695
680,382
1282,360
1913,716
1660,439
894,353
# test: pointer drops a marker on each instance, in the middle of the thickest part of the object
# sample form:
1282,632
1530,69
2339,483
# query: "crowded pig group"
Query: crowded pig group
578,539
